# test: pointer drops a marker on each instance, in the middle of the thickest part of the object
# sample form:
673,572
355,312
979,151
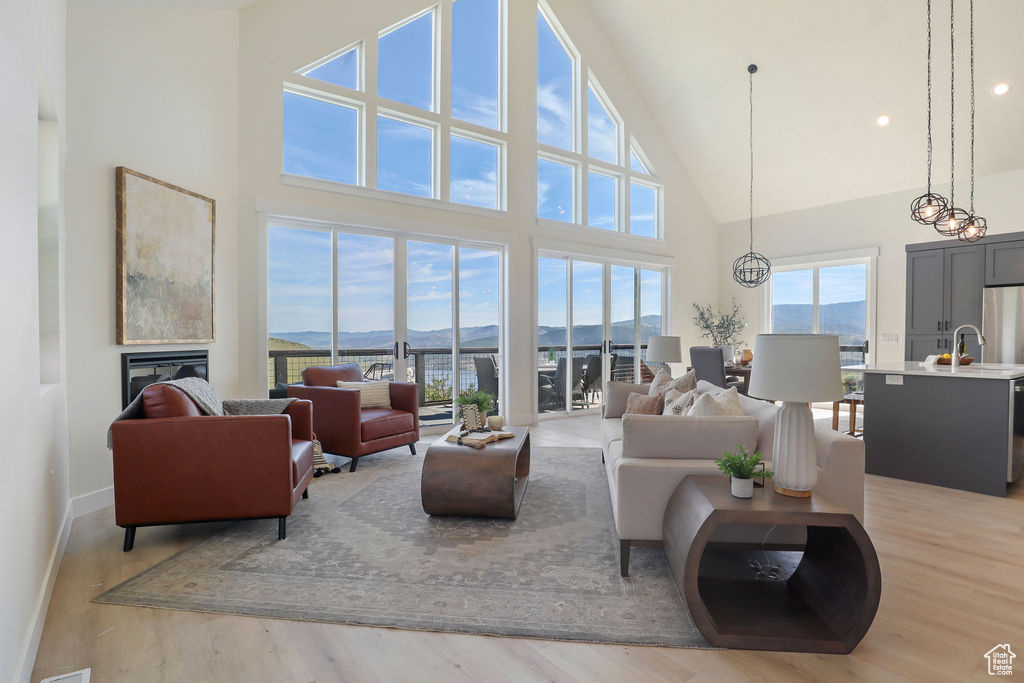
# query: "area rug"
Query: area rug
361,551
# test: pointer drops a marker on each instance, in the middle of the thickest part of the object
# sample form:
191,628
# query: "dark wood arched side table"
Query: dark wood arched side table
822,599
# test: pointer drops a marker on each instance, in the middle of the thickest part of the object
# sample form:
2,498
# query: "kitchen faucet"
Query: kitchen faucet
956,334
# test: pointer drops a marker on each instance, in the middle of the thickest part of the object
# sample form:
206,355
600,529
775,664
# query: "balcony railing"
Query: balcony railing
431,369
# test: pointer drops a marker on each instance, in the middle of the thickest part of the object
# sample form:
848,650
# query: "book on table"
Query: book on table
478,440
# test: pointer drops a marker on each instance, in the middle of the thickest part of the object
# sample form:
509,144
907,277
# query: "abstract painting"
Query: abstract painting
165,248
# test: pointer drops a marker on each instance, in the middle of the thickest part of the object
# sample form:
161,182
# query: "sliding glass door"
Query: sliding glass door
594,318
366,303
583,377
428,347
435,321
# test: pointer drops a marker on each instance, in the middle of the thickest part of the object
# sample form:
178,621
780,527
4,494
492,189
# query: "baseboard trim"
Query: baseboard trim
91,502
28,656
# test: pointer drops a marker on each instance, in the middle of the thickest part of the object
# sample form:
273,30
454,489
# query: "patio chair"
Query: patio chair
487,377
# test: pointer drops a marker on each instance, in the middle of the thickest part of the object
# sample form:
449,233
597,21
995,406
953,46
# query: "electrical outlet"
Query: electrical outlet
894,379
890,339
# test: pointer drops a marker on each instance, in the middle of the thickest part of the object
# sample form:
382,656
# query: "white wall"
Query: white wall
882,222
34,502
280,36
154,90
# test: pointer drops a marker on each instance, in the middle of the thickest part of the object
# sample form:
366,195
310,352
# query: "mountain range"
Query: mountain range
846,319
482,336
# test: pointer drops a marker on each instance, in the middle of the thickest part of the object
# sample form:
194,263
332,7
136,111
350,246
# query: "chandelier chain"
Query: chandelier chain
929,22
952,108
750,79
972,107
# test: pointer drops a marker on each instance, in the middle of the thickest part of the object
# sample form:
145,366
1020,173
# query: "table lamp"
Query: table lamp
664,349
796,369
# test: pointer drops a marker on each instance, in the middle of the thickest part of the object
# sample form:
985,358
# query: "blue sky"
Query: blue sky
588,279
299,266
836,284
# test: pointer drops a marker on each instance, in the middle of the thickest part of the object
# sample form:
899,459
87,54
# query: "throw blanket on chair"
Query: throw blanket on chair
256,406
199,390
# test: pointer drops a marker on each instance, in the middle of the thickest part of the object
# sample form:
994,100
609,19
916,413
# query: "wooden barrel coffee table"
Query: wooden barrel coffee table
821,599
464,481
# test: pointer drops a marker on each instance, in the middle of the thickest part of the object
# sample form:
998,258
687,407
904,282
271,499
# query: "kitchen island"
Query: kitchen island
961,428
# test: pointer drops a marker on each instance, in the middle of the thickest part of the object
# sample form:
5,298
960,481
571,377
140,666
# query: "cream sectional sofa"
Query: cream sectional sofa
646,456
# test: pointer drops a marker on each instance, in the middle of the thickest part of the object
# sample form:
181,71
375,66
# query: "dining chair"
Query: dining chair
708,364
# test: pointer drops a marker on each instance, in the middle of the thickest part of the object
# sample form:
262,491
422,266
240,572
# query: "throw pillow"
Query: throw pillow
680,404
684,383
725,403
371,394
638,404
660,383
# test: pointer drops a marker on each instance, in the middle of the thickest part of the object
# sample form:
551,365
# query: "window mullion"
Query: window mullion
815,308
443,80
368,132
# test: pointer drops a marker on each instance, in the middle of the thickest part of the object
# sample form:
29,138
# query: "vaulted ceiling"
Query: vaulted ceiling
827,70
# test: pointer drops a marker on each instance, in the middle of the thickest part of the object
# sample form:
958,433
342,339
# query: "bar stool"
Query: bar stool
852,399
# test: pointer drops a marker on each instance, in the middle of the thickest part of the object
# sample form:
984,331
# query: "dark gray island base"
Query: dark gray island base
948,430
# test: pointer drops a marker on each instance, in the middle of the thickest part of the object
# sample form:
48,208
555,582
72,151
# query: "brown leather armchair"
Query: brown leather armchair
343,428
177,465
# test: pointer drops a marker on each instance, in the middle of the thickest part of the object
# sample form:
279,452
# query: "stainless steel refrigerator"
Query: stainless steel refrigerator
1003,325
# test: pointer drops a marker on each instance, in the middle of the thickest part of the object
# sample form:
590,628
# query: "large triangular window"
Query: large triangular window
341,68
408,132
587,173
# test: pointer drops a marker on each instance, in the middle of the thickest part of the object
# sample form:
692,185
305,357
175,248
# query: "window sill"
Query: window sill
387,196
612,235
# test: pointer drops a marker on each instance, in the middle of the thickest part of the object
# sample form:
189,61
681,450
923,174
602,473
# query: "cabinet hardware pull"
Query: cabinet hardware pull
938,326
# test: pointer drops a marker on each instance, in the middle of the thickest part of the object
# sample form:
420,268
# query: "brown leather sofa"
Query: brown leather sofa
177,465
343,428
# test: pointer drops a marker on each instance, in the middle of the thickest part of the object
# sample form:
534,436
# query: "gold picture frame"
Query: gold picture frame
165,262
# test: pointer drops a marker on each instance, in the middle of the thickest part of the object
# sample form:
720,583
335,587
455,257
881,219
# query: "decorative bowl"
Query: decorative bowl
966,360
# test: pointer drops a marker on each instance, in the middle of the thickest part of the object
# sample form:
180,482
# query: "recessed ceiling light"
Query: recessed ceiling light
1001,89
882,120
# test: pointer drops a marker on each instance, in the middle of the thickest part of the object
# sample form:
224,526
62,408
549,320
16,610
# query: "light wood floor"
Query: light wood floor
953,587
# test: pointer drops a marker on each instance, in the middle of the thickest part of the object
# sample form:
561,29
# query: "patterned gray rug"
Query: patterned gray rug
362,551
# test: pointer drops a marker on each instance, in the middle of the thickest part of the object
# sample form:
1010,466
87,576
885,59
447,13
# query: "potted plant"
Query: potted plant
741,467
481,399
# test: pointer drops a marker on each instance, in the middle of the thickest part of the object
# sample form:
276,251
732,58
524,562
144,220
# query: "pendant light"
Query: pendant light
950,221
927,208
975,227
752,269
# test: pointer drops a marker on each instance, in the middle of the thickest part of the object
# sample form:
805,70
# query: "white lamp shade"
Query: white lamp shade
800,368
664,349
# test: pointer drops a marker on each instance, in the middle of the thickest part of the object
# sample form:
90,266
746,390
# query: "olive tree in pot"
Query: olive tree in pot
742,467
722,329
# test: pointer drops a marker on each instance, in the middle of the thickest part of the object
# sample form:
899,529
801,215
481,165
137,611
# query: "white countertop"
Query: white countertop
972,371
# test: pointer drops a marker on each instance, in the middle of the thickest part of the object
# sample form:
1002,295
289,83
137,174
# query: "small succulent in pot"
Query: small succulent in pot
742,466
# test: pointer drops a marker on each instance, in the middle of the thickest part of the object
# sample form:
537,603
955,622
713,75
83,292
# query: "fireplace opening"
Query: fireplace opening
139,370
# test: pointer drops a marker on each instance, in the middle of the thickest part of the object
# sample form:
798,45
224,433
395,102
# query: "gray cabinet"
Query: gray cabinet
925,301
944,290
1004,263
920,346
964,285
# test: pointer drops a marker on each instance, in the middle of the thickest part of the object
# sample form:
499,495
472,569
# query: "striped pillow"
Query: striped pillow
371,394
